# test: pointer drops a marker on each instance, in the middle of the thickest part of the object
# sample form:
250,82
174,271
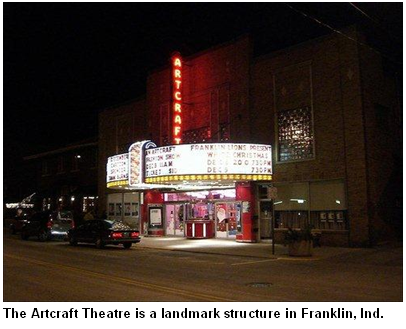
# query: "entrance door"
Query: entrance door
265,219
175,219
226,219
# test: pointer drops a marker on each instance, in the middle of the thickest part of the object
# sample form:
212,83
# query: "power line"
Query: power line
341,33
373,20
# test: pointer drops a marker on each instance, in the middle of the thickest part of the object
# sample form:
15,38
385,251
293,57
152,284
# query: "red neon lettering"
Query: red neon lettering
177,84
177,73
178,96
177,99
178,108
177,62
178,119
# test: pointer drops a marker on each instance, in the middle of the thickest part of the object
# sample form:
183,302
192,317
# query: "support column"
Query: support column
245,193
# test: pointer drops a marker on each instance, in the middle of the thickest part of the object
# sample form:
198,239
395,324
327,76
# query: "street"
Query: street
56,271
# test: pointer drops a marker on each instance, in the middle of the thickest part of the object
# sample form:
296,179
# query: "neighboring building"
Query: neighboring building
329,109
118,128
66,178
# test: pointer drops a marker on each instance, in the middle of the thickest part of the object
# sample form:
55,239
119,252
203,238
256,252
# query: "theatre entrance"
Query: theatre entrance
175,219
228,218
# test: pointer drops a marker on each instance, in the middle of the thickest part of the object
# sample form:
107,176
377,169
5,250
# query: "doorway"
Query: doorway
228,216
265,219
174,223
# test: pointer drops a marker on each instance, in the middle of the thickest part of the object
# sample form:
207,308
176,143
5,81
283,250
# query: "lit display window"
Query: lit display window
295,134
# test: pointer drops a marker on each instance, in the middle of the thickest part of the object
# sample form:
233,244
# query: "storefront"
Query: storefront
191,190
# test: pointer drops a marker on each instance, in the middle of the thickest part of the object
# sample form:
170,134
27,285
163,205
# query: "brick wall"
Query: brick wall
382,121
215,92
119,127
323,74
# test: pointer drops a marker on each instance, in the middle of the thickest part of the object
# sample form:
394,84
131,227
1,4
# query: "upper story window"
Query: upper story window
200,135
295,134
45,168
75,162
61,167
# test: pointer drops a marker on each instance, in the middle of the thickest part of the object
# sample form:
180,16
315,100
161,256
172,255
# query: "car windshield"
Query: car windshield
116,225
64,214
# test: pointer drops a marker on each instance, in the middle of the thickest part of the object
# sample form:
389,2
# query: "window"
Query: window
60,165
196,135
328,205
45,168
321,204
127,209
295,134
134,210
89,203
75,162
224,132
119,207
291,205
111,209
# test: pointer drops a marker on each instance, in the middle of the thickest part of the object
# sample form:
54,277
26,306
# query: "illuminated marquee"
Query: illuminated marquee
136,168
128,169
208,162
176,99
117,169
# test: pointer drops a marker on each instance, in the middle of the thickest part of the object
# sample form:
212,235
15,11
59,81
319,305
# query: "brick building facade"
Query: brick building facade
328,108
65,178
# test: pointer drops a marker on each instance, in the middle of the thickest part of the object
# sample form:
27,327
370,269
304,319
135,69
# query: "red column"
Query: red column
151,197
245,192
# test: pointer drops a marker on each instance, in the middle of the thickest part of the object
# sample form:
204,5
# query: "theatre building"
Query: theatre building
229,145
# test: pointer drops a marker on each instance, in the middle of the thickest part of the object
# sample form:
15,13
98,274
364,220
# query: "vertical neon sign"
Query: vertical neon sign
176,98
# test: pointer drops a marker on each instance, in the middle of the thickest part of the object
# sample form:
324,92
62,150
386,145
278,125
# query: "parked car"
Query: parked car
102,232
47,225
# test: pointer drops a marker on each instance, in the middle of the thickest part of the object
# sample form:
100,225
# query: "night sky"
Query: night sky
63,63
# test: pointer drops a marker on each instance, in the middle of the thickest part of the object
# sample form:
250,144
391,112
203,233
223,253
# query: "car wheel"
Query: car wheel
127,245
43,236
99,243
13,230
24,236
73,241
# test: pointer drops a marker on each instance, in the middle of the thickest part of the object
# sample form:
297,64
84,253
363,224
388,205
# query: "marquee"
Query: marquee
208,162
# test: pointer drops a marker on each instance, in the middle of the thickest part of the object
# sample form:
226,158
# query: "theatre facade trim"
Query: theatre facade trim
228,145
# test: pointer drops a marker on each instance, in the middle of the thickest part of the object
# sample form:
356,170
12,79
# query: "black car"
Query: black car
102,232
47,225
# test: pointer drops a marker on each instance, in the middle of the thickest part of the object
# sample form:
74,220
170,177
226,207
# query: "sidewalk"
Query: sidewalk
233,248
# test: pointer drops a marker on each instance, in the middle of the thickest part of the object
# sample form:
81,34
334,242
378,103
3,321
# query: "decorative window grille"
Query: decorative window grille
224,132
200,135
295,134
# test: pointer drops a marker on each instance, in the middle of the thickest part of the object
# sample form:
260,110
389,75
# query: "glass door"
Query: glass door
174,215
179,219
170,219
265,219
227,217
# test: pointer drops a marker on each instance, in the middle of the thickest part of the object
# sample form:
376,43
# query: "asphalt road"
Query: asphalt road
55,271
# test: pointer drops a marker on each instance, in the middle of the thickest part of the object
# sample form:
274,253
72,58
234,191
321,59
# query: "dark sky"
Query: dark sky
65,62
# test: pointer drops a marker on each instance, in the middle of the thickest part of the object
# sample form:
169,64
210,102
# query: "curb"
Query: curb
212,253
